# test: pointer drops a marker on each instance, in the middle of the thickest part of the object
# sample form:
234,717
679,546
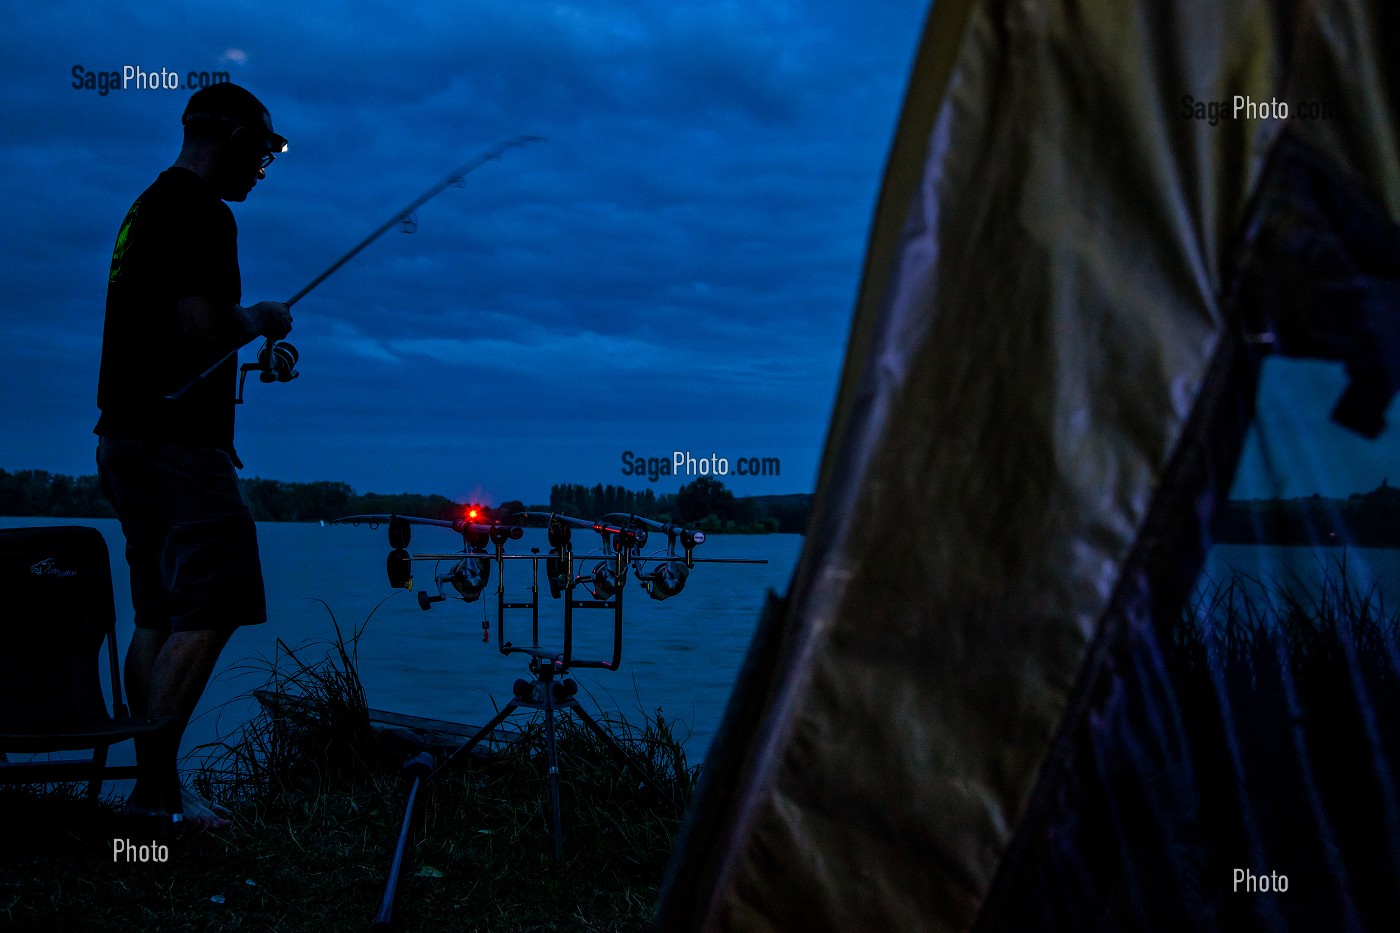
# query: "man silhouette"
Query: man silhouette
165,453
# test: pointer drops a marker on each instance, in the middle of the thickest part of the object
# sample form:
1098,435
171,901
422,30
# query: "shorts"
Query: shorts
190,539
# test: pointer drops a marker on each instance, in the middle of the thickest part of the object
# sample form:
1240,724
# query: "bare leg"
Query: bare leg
176,681
140,660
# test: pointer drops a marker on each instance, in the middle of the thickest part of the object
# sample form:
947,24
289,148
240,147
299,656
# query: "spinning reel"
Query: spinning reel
277,362
622,537
547,691
665,577
469,575
608,576
668,577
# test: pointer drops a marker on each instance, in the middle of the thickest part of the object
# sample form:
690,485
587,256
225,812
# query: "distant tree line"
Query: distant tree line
592,502
275,501
705,503
35,492
1370,519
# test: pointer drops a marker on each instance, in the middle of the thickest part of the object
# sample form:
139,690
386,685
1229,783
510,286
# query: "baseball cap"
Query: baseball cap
230,103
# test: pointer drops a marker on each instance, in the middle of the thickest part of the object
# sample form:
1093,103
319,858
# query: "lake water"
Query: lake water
681,655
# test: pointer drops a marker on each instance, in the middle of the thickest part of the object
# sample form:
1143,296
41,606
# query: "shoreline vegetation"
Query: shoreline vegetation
1288,698
318,797
1259,727
704,503
1370,519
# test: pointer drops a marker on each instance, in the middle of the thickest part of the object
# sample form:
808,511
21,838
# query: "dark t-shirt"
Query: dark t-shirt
178,241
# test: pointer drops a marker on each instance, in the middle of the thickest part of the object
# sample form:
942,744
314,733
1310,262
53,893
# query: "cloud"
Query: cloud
699,210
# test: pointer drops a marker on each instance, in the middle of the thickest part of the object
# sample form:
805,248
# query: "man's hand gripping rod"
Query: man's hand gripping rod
276,360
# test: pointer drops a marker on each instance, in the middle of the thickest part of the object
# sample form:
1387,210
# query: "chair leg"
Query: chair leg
99,767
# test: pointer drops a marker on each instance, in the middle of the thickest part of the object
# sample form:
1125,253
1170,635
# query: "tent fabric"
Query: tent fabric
1163,787
961,712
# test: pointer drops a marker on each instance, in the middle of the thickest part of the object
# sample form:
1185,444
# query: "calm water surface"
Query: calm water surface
681,655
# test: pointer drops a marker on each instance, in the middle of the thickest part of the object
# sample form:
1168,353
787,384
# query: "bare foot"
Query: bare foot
201,813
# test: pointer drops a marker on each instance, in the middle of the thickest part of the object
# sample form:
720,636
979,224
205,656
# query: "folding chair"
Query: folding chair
56,584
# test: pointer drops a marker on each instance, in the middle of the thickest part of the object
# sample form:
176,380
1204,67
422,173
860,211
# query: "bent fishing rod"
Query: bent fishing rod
277,360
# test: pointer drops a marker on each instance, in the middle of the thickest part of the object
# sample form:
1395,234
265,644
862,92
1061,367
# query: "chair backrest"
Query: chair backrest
56,585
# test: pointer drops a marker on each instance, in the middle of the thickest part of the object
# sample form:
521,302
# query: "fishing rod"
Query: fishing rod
548,690
662,574
277,360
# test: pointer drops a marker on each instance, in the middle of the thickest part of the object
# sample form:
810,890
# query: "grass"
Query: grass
318,800
1258,729
1250,627
1291,700
1265,719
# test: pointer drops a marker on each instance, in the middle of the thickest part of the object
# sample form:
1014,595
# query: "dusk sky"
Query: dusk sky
675,268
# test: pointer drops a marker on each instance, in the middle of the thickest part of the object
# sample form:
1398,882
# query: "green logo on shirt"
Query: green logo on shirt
123,242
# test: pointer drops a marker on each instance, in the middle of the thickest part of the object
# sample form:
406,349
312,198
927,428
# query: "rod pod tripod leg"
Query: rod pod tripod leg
542,693
617,752
556,825
546,694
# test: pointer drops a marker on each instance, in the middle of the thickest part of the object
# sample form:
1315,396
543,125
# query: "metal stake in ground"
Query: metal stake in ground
417,767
